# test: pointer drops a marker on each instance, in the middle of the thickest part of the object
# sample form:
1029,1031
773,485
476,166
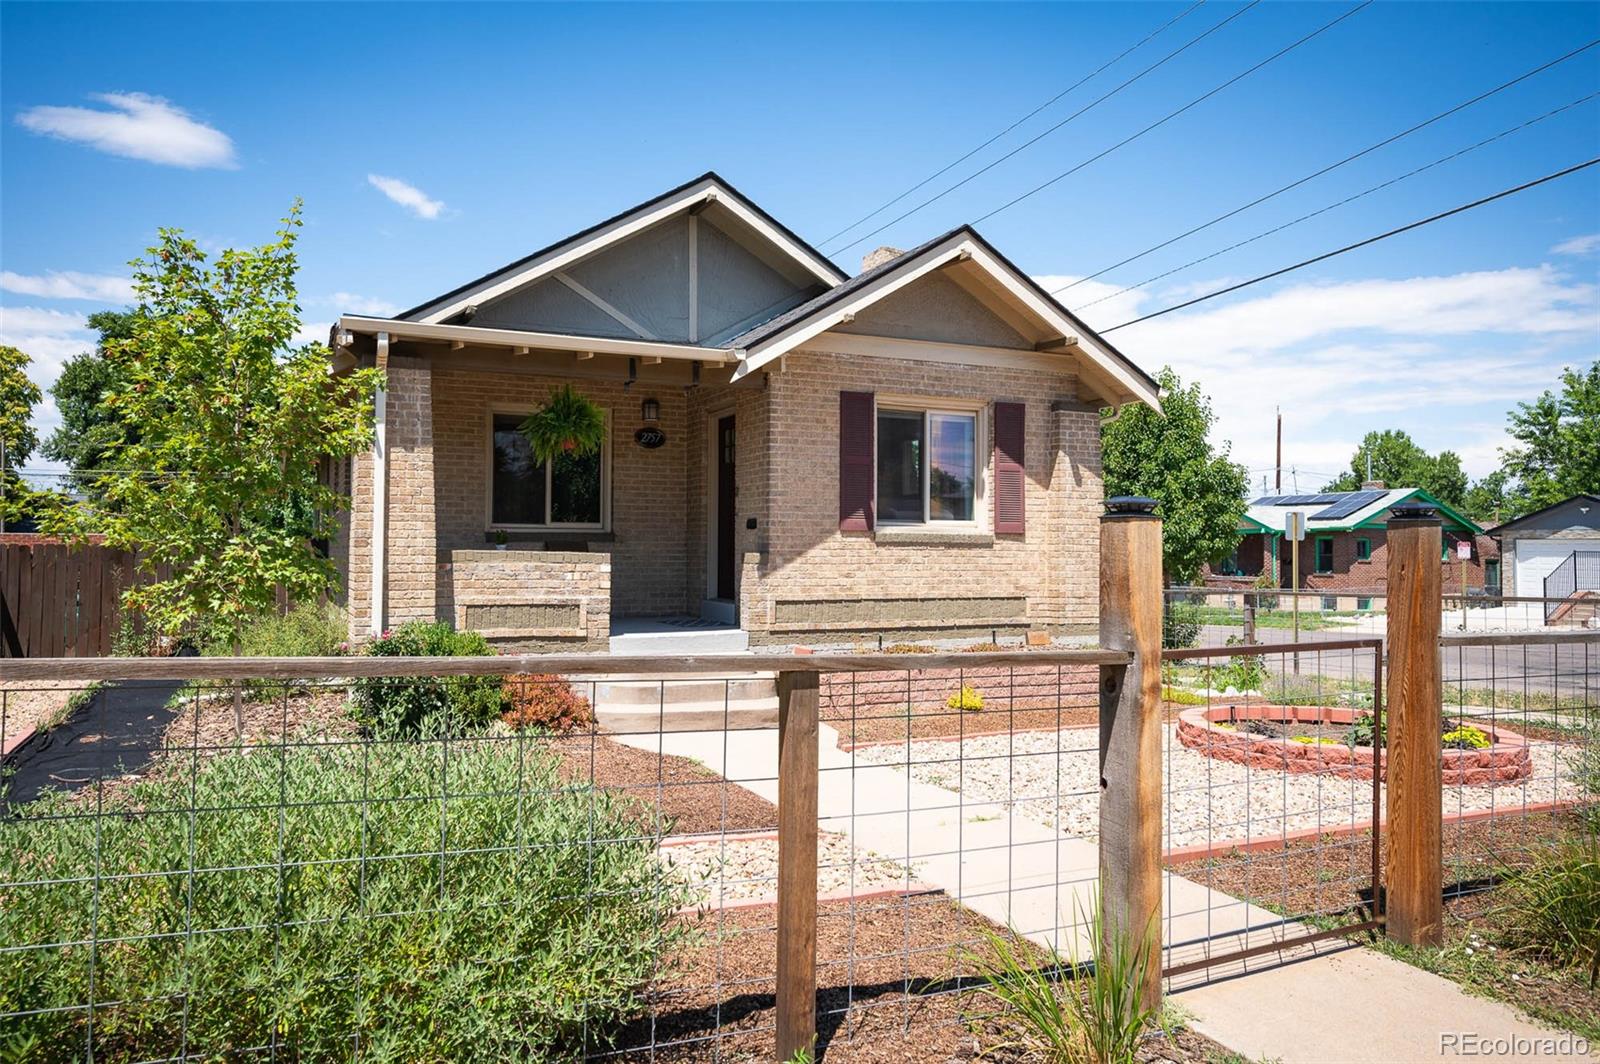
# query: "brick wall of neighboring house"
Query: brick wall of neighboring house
1351,573
817,583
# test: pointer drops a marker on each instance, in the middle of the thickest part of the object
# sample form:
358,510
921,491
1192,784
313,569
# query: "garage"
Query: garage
1534,559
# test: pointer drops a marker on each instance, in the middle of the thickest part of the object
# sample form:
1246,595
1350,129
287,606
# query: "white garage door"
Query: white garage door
1537,557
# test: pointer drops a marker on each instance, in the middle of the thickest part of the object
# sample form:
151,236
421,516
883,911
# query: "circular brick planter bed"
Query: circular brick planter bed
1202,730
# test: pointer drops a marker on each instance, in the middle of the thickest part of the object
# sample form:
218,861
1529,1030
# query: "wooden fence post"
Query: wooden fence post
1130,731
1414,704
797,862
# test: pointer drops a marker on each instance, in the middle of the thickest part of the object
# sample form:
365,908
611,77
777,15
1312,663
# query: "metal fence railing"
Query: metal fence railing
1578,572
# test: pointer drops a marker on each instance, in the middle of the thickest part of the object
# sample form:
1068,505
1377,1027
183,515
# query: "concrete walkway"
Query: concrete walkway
1329,1002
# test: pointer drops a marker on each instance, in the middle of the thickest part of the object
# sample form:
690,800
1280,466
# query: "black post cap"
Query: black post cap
1130,506
1418,512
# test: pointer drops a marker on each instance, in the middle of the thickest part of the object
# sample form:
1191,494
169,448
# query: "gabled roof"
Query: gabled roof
1340,511
770,340
686,197
1593,500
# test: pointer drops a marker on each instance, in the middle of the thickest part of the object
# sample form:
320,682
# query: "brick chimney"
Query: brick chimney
1374,485
879,257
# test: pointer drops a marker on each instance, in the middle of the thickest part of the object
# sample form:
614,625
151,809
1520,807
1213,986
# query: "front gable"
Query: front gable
936,308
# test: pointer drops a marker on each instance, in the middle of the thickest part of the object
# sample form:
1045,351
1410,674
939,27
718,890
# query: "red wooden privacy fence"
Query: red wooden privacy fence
59,601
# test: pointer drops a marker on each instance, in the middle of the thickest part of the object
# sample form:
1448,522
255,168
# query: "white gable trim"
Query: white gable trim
571,252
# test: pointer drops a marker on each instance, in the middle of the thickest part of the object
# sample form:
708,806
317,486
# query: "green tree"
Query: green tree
18,396
1493,499
226,423
89,429
1558,436
1168,457
1399,462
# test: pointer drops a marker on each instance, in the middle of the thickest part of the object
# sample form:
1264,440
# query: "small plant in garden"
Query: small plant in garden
907,648
1465,737
1243,672
1583,762
566,424
969,699
1180,625
1555,904
401,707
1314,740
1362,732
545,702
1098,1018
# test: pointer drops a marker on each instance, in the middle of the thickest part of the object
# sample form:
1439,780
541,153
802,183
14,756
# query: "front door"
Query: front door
724,587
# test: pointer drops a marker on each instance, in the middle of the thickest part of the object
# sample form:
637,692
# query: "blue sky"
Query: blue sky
498,128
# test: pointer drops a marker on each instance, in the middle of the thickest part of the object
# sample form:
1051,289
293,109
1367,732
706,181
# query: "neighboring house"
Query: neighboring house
1554,551
799,455
1345,550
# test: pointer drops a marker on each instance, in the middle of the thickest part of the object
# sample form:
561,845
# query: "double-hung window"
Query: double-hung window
1324,554
927,466
566,492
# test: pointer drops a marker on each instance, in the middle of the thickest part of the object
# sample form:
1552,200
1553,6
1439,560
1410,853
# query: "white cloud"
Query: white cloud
1439,356
69,284
136,126
1578,245
407,195
312,332
48,338
359,304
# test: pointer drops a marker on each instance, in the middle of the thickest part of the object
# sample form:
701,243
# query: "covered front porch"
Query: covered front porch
468,527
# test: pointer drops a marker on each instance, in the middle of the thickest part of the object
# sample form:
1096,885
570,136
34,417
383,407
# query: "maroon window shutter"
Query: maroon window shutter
855,461
1010,479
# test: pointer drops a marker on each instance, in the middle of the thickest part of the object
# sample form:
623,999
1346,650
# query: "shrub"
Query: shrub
546,702
1180,625
1243,672
1583,761
402,707
306,631
1361,732
969,699
1554,907
1465,737
331,920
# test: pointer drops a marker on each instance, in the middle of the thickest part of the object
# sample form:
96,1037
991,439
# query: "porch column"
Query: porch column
410,541
380,485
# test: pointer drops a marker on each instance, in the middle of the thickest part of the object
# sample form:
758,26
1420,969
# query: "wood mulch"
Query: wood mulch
889,990
1329,877
691,798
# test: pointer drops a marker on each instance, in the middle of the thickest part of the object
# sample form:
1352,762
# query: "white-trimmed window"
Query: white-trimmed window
928,466
565,492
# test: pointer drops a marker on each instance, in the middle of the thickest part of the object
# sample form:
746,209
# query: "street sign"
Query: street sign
1295,527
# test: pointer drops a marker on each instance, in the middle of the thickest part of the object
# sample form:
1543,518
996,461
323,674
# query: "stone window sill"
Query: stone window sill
938,537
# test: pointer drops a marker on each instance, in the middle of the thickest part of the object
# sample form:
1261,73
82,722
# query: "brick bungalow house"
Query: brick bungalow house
1345,552
792,455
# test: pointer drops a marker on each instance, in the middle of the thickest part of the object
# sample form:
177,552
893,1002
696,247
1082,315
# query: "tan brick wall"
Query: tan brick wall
1052,568
533,599
648,550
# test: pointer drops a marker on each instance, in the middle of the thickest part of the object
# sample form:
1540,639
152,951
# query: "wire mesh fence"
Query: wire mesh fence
1523,716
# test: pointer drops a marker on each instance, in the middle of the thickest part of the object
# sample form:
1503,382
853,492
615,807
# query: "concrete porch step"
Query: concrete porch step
638,703
638,637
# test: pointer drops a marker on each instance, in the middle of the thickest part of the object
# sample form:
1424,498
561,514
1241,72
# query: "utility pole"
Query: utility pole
1277,484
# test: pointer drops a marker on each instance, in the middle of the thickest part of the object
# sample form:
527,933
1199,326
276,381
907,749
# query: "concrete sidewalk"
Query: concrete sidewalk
1328,1002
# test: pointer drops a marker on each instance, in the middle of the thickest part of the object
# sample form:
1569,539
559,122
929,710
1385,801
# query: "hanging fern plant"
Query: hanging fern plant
567,424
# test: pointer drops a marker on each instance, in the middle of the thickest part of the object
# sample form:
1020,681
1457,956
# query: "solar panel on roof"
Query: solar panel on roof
1319,499
1348,504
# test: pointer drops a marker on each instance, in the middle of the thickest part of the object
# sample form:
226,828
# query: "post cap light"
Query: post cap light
1130,506
1413,511
651,409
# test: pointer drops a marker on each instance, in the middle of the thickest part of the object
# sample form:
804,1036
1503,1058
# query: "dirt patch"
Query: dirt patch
690,798
870,707
27,705
893,985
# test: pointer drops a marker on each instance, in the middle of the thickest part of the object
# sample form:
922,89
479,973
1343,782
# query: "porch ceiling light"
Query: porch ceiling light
651,409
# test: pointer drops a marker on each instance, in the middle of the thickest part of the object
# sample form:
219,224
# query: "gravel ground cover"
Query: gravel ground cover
26,705
1053,778
889,992
730,870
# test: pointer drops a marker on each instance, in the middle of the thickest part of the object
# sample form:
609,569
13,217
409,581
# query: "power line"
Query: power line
1152,35
1340,203
1334,166
1035,139
1163,121
1361,243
